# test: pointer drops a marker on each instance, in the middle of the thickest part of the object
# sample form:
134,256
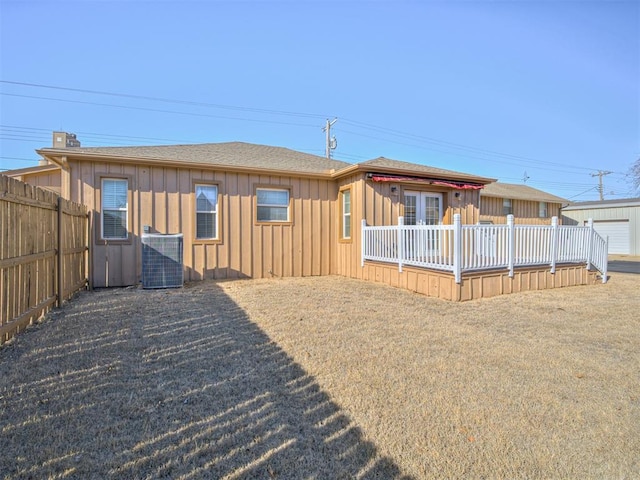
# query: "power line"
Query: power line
156,110
600,174
167,100
363,125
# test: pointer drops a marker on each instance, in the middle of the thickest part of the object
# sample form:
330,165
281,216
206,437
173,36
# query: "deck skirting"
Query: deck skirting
478,284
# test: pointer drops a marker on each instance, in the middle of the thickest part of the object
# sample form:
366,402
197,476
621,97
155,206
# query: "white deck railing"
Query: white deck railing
462,248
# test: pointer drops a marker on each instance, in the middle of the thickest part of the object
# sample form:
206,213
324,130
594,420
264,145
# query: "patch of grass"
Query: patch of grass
326,377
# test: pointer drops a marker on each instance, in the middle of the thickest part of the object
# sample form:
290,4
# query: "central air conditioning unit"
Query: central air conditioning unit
162,260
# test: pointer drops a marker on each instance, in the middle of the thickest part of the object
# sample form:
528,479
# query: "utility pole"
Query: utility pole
330,142
600,174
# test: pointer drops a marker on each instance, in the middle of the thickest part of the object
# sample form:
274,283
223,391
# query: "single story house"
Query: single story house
528,205
247,210
257,211
617,219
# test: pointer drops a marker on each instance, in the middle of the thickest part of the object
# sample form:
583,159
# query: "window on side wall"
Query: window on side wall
507,207
272,205
206,212
345,205
543,211
115,209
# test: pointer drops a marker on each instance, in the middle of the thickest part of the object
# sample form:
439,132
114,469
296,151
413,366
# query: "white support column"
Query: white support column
400,243
363,242
590,243
511,243
554,243
457,248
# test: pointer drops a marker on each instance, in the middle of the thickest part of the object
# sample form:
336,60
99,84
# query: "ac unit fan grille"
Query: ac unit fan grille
162,265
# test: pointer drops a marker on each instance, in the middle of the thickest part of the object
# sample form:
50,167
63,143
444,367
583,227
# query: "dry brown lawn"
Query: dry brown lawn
326,377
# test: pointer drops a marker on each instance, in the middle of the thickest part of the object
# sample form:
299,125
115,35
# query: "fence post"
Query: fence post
59,260
400,243
457,248
363,242
511,238
554,243
89,263
589,242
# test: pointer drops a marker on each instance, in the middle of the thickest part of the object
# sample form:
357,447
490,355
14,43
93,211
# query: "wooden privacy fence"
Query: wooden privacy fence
44,244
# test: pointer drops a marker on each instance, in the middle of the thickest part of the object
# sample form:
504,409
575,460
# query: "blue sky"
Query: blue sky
495,88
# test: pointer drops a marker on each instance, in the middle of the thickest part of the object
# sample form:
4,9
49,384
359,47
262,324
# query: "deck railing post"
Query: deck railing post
457,248
605,262
363,241
590,243
554,243
511,243
400,242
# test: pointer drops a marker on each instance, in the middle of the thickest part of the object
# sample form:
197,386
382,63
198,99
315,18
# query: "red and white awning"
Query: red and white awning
430,181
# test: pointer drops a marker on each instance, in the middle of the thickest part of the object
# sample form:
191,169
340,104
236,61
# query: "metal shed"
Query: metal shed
617,219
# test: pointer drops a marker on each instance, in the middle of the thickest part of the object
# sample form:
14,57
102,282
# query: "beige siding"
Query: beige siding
466,204
525,212
163,198
378,205
48,180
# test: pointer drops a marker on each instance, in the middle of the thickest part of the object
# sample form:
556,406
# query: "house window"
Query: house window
206,211
346,214
507,208
273,205
543,213
114,208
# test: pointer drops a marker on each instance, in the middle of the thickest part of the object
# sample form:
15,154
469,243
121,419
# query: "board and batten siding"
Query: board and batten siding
49,180
164,199
378,205
525,212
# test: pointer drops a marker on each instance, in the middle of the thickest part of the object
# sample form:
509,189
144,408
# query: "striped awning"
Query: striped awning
430,181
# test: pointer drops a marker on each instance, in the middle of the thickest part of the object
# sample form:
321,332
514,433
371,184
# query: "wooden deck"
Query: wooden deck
478,284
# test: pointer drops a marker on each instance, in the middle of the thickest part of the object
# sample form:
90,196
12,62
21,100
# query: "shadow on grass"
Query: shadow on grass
129,383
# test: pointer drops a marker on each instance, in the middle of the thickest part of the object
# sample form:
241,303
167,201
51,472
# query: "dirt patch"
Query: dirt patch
326,377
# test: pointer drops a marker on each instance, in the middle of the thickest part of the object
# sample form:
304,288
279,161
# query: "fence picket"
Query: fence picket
43,253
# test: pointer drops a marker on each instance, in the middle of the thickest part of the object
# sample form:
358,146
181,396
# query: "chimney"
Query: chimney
65,140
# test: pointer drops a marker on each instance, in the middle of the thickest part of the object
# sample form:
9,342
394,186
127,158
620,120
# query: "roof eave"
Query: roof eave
360,168
50,154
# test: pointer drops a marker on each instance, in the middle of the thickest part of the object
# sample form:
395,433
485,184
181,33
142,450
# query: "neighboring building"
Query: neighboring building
617,219
245,210
528,205
44,175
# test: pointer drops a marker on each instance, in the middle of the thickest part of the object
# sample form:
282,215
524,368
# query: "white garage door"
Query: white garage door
618,233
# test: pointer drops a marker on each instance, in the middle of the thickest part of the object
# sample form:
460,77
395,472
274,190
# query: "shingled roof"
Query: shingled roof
252,156
229,154
520,192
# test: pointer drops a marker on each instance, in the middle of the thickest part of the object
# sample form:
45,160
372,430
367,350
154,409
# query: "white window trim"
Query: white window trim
543,210
507,202
103,210
213,212
345,215
275,205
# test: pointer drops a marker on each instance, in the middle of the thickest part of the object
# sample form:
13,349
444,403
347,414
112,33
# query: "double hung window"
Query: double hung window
115,208
206,212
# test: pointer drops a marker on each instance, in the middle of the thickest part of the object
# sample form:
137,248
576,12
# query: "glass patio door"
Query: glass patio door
422,208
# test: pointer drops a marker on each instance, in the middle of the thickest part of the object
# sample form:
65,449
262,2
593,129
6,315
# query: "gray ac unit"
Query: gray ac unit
162,260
